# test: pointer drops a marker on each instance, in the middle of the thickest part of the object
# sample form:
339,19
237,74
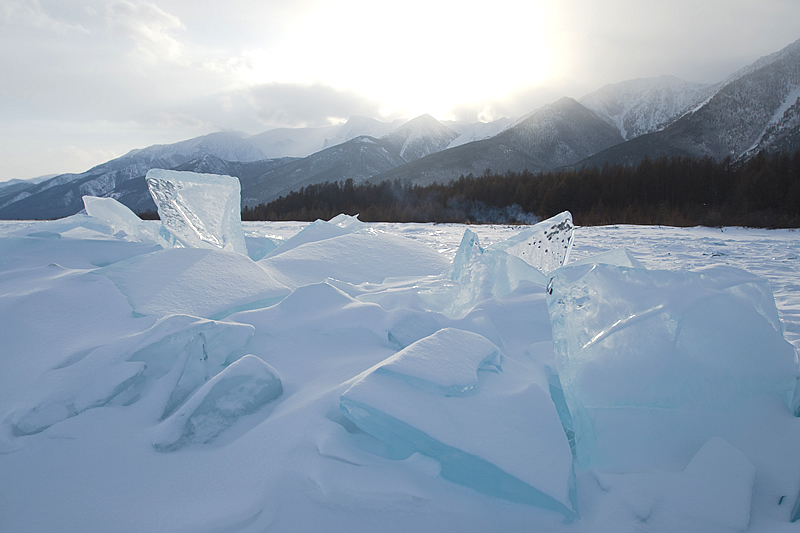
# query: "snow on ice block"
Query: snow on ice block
712,494
353,258
123,222
191,281
199,210
716,489
652,360
122,372
487,420
241,389
406,326
447,361
545,246
347,222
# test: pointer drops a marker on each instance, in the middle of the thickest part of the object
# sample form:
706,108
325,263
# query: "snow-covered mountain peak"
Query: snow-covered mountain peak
229,146
357,126
548,114
477,131
792,50
421,125
559,133
759,108
420,136
644,105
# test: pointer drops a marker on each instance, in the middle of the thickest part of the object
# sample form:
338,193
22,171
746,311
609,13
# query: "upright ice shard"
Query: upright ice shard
468,251
485,418
497,270
545,246
654,362
493,274
199,210
483,273
259,247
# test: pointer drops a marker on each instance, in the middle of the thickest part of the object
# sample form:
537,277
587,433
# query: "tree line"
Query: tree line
676,191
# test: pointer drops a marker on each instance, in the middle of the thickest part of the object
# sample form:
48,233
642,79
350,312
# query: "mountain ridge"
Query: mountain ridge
754,110
758,110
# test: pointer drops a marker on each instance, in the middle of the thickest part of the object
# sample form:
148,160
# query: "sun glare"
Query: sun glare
426,57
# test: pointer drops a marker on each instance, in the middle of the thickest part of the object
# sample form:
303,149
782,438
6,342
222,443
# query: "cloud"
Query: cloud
184,120
514,104
298,105
607,42
30,13
149,27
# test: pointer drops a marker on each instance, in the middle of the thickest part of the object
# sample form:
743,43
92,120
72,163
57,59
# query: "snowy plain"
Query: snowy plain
93,425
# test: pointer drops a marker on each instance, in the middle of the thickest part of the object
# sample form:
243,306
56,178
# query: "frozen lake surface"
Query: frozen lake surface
345,383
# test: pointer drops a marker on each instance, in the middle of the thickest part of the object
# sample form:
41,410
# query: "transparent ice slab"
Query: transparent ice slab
667,352
241,389
164,363
486,273
545,246
199,210
123,222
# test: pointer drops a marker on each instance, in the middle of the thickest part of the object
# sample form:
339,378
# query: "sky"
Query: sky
85,81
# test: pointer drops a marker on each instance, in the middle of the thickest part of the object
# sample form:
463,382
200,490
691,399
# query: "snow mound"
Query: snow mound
192,281
319,230
713,493
351,257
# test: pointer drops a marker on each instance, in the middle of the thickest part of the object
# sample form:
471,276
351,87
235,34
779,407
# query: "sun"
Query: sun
419,57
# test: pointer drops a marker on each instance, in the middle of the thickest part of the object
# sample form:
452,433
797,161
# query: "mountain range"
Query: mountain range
756,109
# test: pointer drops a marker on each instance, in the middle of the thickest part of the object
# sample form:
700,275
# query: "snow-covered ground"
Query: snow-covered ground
129,402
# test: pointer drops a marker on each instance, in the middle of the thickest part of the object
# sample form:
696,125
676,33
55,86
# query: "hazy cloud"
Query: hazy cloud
512,105
149,27
296,105
30,13
169,120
